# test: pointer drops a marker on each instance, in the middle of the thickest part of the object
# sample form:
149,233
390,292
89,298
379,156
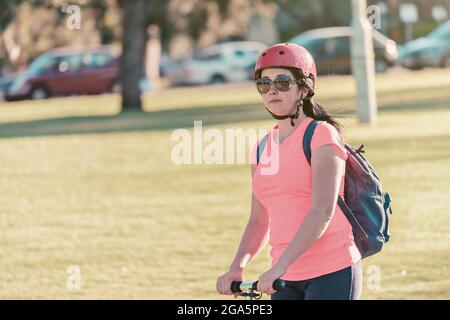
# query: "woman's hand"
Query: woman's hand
266,280
223,284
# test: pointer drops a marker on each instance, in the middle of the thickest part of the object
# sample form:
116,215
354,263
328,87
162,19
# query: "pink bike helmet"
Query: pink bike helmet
289,55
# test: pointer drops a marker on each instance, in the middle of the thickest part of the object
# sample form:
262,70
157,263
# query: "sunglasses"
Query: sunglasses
281,83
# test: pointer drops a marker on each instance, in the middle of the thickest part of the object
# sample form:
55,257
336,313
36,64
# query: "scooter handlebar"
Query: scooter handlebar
239,286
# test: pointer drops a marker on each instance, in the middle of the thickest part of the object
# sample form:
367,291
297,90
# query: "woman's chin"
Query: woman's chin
278,111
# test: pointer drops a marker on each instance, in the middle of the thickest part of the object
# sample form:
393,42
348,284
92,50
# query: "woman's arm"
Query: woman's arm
327,169
255,235
254,238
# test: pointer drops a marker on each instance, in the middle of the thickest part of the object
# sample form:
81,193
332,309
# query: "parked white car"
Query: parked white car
224,62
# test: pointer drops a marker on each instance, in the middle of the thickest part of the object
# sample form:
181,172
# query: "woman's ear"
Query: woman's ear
305,91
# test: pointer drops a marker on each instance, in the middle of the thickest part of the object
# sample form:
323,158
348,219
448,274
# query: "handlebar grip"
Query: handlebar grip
236,286
279,285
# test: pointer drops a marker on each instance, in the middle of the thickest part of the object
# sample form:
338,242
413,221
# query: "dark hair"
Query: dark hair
310,107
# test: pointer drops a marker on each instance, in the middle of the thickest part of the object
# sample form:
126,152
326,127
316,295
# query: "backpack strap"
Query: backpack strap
260,148
307,137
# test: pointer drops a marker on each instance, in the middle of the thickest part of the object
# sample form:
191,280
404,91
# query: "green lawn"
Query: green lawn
81,186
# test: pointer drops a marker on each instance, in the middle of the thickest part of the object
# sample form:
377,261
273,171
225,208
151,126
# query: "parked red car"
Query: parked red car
67,71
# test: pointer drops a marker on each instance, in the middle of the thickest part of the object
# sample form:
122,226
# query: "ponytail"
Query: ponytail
314,110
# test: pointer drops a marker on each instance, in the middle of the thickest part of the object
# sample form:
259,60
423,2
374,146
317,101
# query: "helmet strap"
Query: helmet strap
293,115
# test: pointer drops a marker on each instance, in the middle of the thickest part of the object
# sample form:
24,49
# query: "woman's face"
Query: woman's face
279,102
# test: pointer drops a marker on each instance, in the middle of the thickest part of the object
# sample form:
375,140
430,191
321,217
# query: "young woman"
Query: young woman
295,206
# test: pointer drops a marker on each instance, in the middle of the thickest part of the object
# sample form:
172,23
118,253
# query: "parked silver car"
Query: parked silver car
224,62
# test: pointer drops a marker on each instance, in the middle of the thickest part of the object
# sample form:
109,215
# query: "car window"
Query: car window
239,53
315,46
342,46
41,64
208,56
69,63
96,60
329,46
301,39
242,53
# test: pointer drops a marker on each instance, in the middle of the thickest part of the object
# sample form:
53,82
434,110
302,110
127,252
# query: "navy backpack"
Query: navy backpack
366,205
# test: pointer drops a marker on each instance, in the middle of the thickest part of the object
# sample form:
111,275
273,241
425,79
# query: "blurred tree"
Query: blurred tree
8,12
106,18
296,16
157,13
133,36
29,28
203,22
198,18
137,16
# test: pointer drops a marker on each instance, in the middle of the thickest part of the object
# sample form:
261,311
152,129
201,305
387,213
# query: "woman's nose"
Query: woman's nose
272,90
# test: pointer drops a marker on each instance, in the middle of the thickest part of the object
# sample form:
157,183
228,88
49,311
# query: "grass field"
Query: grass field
82,186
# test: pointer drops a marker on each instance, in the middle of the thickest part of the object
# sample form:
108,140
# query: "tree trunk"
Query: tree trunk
132,49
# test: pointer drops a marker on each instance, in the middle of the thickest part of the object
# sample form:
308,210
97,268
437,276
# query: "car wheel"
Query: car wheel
380,66
39,93
116,87
217,79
